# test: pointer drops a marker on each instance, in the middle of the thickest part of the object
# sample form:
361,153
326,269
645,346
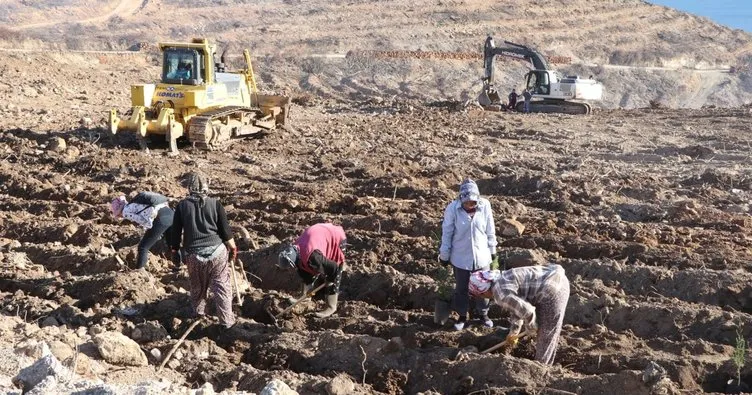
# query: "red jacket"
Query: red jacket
324,237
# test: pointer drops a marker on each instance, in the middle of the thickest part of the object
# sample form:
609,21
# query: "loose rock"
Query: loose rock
48,365
57,144
512,227
340,385
118,349
277,387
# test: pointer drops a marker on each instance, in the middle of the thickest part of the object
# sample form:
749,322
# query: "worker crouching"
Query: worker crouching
318,254
536,298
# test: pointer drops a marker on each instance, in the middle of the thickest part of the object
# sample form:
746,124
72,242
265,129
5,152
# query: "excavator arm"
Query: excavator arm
552,93
512,50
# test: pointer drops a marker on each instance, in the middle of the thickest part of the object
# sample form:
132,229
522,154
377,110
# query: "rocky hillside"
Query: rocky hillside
618,42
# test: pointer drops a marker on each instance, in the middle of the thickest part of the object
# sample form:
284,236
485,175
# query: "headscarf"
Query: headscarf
288,257
469,191
482,280
117,205
198,187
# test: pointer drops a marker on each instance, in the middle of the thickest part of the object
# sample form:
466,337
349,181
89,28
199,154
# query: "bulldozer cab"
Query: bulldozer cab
183,66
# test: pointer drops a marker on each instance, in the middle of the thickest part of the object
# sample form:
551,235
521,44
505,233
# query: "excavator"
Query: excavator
551,93
199,99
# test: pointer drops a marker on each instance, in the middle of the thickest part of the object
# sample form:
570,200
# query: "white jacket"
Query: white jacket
142,214
468,242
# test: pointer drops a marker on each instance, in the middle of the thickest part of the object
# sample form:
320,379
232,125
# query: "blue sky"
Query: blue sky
733,13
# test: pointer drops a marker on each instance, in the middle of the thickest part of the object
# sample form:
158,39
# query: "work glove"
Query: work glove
531,330
515,328
494,262
444,263
233,254
531,327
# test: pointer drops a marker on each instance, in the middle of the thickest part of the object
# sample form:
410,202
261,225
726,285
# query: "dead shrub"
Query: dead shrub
312,65
9,35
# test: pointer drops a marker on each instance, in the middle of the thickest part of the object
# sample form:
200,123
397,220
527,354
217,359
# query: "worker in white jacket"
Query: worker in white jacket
468,243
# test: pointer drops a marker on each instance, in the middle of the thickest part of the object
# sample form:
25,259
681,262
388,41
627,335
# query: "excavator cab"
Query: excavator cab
539,82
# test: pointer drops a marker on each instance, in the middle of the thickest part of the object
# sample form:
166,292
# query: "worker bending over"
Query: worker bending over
535,296
318,254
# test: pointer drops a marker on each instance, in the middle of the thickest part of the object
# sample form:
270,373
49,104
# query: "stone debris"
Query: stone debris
119,349
277,387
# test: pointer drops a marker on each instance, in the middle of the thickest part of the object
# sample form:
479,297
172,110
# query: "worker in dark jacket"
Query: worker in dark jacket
152,212
527,94
513,100
201,223
318,253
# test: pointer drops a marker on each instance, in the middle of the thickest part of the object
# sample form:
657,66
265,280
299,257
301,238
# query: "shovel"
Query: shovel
235,282
509,341
304,297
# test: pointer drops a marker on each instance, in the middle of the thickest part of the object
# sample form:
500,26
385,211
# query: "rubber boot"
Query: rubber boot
331,306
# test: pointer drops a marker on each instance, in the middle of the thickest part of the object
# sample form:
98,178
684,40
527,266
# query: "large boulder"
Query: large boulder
119,349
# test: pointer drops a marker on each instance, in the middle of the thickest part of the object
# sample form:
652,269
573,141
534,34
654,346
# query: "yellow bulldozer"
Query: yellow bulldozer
197,98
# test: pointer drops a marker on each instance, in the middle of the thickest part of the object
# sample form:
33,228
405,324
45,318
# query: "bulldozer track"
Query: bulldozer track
200,125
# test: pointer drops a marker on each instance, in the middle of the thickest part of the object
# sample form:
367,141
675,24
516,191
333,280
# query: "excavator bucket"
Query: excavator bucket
488,98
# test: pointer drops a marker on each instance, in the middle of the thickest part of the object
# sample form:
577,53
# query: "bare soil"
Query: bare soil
648,210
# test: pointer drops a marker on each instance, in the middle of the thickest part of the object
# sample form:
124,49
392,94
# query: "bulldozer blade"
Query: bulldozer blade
173,147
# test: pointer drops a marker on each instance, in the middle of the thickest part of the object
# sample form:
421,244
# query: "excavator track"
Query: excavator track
557,106
202,132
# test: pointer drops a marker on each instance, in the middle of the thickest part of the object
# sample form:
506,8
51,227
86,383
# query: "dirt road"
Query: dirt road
121,8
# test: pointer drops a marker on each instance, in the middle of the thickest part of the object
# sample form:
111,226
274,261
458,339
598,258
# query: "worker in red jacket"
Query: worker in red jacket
318,254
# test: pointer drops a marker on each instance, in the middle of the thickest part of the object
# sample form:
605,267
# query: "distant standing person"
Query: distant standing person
513,100
536,298
527,95
468,243
152,212
201,223
318,254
